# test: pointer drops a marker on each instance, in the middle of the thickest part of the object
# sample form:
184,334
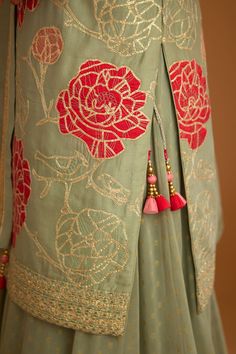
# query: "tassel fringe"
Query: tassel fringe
150,206
176,200
162,202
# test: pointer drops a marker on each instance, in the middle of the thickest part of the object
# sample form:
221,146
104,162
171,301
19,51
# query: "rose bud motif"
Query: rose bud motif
47,45
21,180
102,106
22,6
189,88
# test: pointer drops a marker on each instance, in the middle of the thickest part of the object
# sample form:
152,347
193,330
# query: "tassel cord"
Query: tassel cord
158,118
176,199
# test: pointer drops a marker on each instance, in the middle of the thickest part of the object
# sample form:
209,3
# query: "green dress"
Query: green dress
87,89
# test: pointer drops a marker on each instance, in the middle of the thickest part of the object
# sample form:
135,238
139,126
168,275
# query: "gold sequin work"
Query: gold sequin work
62,303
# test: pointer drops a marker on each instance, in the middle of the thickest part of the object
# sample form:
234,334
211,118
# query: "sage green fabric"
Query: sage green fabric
165,297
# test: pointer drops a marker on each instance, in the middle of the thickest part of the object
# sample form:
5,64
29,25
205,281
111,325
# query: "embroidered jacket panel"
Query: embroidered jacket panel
77,91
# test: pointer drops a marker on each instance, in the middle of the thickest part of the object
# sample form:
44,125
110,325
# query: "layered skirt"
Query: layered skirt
162,315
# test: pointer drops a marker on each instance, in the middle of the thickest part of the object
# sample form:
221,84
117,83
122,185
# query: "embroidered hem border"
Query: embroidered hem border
205,281
62,303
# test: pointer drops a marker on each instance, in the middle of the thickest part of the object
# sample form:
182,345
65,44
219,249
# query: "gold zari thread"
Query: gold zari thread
64,304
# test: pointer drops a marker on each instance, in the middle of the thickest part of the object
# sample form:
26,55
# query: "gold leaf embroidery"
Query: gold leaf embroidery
91,245
203,224
127,27
66,169
109,187
180,19
87,259
204,228
74,169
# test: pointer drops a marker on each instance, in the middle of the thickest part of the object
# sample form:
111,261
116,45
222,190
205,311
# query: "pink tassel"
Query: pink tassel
150,206
162,202
155,202
177,201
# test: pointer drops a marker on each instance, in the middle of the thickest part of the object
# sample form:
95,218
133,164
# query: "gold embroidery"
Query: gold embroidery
180,19
72,20
127,27
204,243
62,303
89,245
66,169
75,168
109,187
22,105
203,220
46,49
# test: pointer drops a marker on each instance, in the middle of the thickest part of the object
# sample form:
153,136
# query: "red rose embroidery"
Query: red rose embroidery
24,5
21,180
47,45
102,106
192,101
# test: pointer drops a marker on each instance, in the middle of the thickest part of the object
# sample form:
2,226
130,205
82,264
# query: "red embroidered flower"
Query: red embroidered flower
47,45
192,101
102,106
24,5
21,180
